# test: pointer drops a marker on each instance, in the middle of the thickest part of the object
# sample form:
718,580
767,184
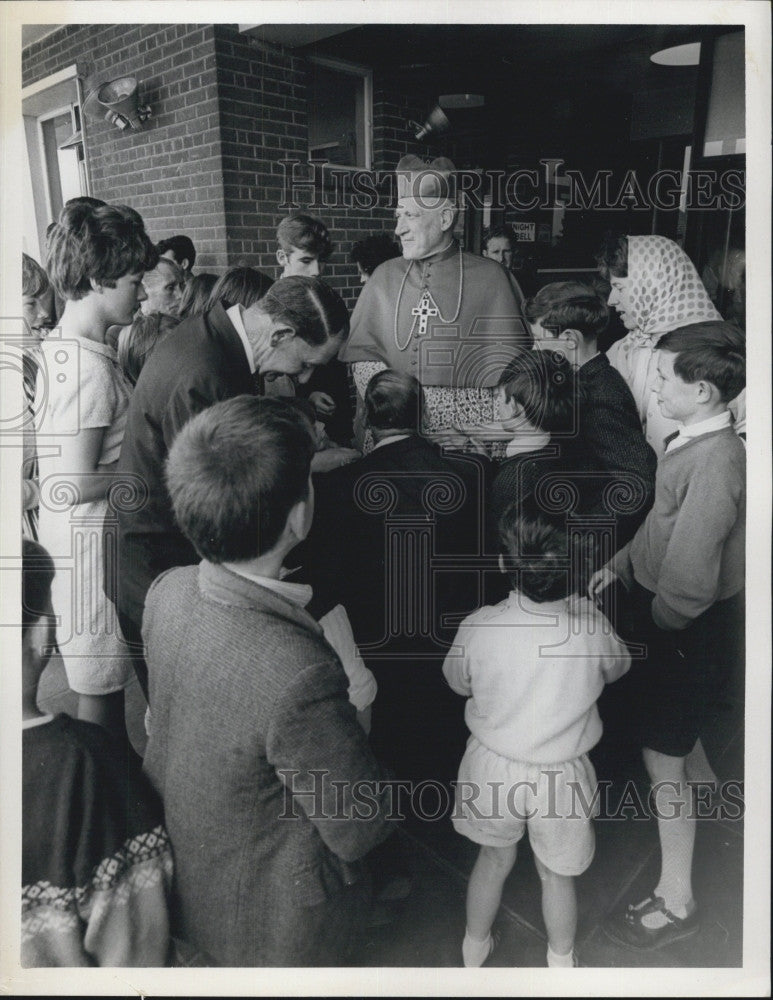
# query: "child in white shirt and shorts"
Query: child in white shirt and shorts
532,668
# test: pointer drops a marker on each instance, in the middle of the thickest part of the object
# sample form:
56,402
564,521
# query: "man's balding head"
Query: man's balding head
164,285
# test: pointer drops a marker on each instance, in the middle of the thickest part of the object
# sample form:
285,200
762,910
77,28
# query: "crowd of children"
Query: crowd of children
259,697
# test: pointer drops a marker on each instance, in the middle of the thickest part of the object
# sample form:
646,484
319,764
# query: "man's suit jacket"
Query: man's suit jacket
245,687
401,490
396,539
200,363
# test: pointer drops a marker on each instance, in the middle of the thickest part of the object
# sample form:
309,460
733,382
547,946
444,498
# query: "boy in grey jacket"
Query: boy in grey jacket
270,789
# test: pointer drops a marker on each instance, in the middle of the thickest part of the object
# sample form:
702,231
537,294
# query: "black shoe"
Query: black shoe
626,928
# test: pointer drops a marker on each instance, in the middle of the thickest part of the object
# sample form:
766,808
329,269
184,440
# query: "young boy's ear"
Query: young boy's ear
706,392
281,257
510,406
300,516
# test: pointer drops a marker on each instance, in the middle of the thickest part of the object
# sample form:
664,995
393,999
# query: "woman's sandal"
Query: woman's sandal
628,930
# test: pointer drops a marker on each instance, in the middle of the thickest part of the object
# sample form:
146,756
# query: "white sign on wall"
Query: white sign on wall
524,231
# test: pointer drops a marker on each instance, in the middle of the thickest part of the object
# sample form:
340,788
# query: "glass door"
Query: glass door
61,160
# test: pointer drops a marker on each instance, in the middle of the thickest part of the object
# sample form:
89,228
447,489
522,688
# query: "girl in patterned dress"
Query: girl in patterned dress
96,260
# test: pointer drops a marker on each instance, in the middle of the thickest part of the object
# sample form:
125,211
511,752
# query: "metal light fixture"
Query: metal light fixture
437,120
118,102
120,99
435,123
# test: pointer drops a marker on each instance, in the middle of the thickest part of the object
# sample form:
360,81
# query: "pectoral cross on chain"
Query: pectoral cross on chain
424,310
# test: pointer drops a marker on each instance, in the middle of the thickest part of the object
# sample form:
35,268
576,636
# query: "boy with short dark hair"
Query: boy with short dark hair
254,746
181,250
685,572
536,400
531,668
568,317
304,245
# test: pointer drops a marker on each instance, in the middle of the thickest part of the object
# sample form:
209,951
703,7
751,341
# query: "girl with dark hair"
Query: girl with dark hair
96,260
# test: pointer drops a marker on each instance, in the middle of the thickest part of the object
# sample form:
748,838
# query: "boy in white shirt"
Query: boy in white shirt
684,570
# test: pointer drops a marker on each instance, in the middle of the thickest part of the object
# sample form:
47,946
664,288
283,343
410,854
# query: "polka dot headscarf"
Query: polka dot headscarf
665,291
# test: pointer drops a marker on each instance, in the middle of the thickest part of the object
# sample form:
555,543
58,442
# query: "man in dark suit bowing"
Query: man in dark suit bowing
395,539
298,324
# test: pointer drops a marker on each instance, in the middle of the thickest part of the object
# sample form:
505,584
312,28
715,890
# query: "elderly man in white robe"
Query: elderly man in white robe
445,316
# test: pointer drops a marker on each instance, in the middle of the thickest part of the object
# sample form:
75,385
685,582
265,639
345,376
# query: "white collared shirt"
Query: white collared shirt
715,423
390,440
526,441
298,593
235,316
37,720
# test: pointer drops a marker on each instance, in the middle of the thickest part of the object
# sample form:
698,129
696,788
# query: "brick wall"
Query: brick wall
227,110
263,113
171,171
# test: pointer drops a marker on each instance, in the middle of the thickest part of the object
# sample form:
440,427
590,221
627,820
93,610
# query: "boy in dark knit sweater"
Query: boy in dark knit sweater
536,401
545,463
685,573
567,317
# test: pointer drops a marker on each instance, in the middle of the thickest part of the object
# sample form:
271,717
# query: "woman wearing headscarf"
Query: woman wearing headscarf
655,289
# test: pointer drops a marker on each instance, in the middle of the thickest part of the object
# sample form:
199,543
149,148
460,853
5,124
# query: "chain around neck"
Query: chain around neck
453,319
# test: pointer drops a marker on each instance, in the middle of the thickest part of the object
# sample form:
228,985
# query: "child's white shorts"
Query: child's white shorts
498,798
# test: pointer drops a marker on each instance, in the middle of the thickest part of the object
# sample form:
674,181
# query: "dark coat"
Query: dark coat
243,687
612,437
410,487
200,363
397,538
